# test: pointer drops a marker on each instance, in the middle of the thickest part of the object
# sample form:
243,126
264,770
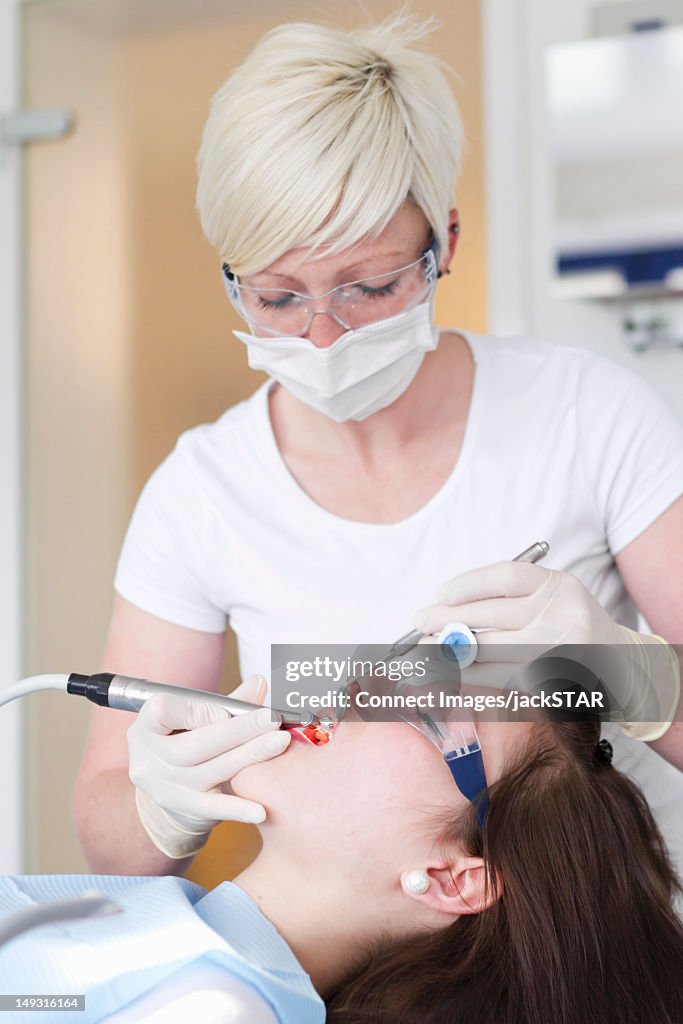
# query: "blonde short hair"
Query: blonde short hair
321,135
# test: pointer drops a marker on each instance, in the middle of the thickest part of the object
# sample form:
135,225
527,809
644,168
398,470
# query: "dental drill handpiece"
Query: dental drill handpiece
126,693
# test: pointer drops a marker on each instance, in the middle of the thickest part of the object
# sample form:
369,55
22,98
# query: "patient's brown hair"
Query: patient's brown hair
584,931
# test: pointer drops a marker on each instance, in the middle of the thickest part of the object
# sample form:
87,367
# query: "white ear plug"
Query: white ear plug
416,882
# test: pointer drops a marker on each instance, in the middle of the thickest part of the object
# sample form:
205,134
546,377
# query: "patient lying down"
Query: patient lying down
562,914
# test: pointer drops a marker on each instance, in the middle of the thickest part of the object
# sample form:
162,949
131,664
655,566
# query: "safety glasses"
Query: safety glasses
284,312
417,701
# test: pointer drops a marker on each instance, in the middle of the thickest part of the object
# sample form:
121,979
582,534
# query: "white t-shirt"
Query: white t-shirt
560,445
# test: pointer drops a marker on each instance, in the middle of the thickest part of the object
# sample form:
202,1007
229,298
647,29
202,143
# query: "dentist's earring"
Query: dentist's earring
416,882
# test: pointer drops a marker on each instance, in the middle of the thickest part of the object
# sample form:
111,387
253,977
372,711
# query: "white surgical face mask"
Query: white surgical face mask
363,371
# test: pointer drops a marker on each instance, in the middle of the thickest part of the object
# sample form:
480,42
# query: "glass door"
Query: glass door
11,717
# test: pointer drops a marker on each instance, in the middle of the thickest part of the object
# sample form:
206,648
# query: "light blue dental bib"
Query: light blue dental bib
166,924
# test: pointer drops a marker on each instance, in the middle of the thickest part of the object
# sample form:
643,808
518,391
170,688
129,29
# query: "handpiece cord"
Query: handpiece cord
33,685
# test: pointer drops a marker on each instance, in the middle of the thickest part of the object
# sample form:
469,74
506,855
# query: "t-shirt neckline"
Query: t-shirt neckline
296,495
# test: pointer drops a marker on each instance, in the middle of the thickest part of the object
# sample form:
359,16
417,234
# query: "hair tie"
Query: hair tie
603,753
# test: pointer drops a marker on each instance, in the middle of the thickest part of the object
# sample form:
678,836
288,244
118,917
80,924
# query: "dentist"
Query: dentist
382,457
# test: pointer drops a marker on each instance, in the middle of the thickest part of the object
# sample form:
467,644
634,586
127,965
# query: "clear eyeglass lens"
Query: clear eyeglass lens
357,304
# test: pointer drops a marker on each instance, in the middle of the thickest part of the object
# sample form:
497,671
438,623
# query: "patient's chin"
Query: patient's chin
249,783
263,780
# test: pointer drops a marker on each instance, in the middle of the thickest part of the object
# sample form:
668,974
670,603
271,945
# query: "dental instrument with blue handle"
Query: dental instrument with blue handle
458,642
459,742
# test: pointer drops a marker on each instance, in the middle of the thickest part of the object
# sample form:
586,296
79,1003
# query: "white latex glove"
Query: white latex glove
522,603
181,778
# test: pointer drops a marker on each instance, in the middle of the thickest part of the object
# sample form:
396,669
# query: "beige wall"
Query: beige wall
129,330
79,477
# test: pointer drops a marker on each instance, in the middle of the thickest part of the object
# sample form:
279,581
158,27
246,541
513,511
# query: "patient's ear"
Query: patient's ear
461,887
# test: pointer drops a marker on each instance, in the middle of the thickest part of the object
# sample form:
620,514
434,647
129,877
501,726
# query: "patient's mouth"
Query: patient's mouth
315,735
